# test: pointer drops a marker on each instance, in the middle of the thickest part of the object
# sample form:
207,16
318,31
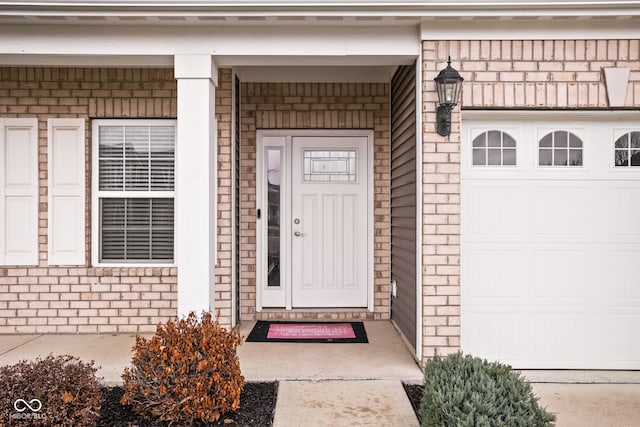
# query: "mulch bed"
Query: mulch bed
414,393
257,406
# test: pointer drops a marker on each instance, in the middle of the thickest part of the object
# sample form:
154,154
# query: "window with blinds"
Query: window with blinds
135,190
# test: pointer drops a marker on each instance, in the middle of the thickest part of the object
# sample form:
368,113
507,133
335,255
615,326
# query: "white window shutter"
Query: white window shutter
19,191
66,151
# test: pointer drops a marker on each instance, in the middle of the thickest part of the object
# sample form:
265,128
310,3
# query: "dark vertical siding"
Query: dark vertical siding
403,199
236,194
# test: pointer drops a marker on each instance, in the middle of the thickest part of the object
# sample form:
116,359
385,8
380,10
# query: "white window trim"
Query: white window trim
96,193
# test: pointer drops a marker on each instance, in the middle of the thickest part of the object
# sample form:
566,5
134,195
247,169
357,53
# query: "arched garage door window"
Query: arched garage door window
494,148
627,149
560,148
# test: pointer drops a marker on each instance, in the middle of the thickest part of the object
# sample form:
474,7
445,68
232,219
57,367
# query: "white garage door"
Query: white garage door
551,240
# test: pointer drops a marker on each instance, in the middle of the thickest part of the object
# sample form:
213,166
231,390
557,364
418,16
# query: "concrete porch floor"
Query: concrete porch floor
385,357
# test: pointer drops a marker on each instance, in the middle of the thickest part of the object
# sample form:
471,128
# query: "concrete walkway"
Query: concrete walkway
343,403
336,384
591,405
353,384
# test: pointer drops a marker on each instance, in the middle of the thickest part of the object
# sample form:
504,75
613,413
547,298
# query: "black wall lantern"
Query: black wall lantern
448,85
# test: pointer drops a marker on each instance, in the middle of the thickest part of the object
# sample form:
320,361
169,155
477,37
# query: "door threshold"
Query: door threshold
317,314
314,310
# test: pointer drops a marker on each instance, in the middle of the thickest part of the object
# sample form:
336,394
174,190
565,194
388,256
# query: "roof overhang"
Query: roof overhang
305,12
285,33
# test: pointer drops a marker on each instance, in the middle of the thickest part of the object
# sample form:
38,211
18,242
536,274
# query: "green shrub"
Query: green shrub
60,391
466,391
188,372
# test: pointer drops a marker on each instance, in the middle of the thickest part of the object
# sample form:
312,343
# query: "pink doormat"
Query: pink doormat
308,332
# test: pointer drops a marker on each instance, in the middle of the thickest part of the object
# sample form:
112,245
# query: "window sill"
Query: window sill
132,265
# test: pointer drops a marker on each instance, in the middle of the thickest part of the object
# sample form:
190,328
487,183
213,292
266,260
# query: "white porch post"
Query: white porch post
196,144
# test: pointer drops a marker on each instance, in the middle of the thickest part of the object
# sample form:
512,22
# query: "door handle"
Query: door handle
297,233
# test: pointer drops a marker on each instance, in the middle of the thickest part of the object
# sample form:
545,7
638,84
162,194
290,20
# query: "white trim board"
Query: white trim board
275,45
305,74
550,115
419,209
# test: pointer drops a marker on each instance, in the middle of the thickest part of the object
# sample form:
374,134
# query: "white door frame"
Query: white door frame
272,298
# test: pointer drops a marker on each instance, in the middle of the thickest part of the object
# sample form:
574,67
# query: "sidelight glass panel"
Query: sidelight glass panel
274,177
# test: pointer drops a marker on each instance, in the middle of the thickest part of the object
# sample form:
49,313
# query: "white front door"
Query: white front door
329,222
314,219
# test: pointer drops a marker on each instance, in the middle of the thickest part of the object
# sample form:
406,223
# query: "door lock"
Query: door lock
296,221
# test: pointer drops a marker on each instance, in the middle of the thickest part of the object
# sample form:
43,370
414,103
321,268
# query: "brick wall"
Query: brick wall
560,74
315,106
105,300
84,299
223,273
543,74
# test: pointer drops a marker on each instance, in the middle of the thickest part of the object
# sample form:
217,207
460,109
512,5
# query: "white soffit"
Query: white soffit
279,12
